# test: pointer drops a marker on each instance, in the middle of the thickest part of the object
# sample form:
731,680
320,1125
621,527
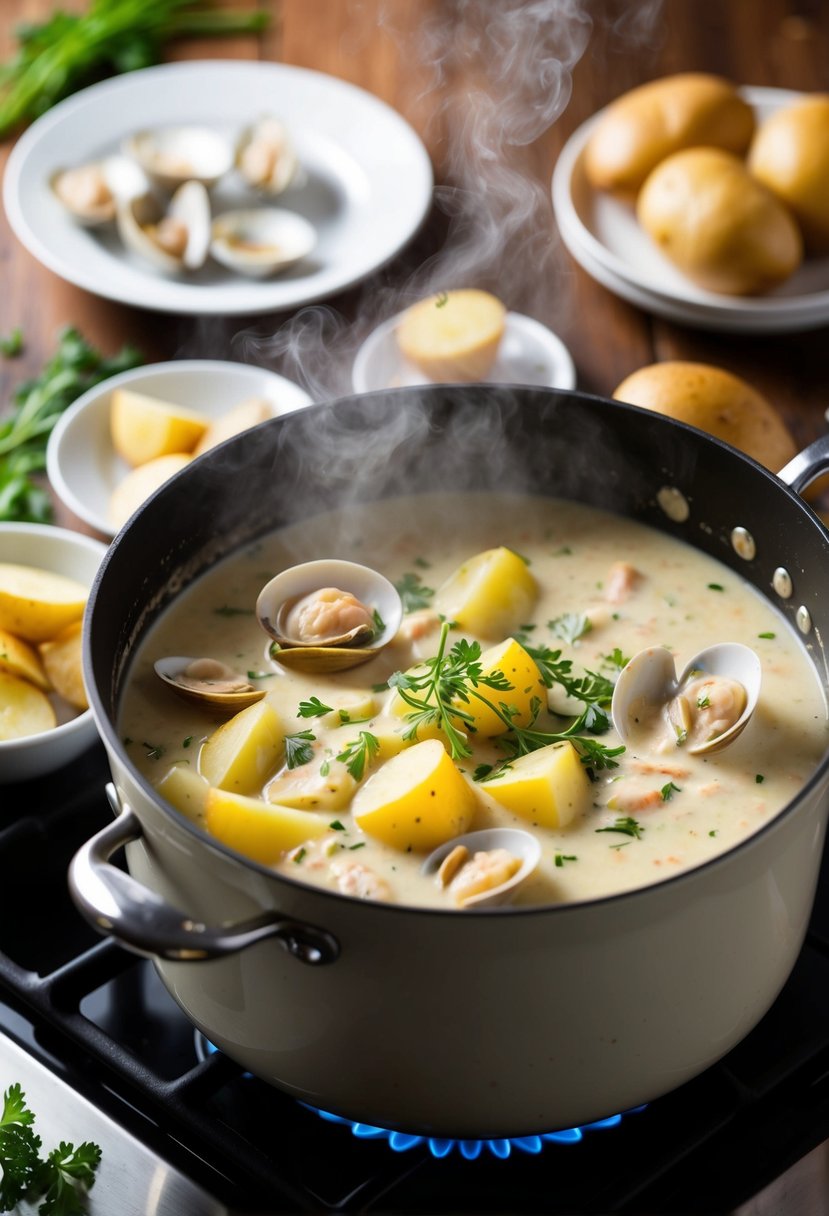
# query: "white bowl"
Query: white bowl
529,353
82,464
75,556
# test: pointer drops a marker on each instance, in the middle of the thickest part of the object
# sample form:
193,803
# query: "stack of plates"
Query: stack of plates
603,236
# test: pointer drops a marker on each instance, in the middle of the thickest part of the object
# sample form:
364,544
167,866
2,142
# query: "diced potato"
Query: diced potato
260,830
388,730
549,787
144,428
454,335
490,595
18,658
323,784
186,790
140,483
24,709
510,658
62,659
398,708
244,415
36,604
417,800
242,751
352,705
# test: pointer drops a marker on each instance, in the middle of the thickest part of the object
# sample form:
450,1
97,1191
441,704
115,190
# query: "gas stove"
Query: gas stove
104,1053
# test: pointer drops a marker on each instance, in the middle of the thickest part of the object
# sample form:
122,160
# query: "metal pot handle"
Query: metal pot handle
116,904
807,465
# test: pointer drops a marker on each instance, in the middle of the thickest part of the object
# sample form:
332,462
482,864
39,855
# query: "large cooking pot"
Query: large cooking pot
476,1024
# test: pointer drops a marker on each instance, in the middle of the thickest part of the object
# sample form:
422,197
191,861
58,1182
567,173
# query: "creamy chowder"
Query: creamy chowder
343,779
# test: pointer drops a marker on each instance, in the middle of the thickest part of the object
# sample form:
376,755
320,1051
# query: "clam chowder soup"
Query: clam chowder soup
489,708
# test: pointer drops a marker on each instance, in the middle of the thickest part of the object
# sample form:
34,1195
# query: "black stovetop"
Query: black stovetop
100,1018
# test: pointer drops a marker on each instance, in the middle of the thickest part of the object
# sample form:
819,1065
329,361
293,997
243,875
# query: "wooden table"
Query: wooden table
493,97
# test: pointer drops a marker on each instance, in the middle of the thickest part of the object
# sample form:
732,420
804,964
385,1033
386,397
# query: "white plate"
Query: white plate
602,234
368,181
81,462
529,354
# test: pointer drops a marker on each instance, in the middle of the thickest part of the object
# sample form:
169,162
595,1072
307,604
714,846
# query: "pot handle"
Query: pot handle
807,465
117,904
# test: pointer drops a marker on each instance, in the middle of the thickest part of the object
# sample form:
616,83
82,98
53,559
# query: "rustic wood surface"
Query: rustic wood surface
493,95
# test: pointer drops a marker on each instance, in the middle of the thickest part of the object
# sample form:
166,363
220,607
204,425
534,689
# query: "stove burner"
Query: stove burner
401,1142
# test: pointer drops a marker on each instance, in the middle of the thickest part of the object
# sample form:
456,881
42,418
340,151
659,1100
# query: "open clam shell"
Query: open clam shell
173,155
649,682
265,156
522,845
90,193
174,238
260,242
194,681
342,648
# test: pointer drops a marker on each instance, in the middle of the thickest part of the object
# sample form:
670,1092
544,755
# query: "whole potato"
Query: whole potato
790,155
642,127
718,224
714,401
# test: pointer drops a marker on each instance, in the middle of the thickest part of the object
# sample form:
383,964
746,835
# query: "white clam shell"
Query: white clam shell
516,841
265,156
122,177
260,242
173,155
169,668
137,217
650,678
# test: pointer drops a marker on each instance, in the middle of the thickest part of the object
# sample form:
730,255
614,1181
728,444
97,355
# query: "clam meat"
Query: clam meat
265,156
207,682
90,193
173,238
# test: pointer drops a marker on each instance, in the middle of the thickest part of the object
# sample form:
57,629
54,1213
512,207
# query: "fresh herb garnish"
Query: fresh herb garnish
154,750
571,626
482,772
360,753
667,792
313,708
298,855
36,406
769,635
560,858
442,299
361,844
616,659
625,825
336,826
716,587
704,702
412,592
60,1180
298,749
759,778
229,610
261,675
187,741
378,622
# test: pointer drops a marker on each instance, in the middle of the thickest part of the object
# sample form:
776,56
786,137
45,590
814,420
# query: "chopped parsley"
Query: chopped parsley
716,587
570,627
560,858
187,741
768,635
229,610
442,299
704,702
625,825
154,751
667,792
359,753
313,708
336,826
413,593
759,778
298,749
298,855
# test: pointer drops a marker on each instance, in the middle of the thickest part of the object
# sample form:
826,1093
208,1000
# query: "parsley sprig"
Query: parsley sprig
60,1180
360,753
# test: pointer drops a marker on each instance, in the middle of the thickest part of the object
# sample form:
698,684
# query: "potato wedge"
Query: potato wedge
548,787
24,709
62,659
416,801
526,695
490,595
140,483
241,752
18,658
36,604
260,830
186,790
240,418
143,428
454,335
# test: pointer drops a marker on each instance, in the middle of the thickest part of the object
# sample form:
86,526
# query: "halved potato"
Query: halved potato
512,660
186,790
454,335
260,830
548,787
36,604
24,709
490,595
240,418
140,483
242,751
18,658
417,800
62,659
144,428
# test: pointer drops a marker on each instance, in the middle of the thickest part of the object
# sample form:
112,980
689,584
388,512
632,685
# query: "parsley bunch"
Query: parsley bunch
60,1180
36,406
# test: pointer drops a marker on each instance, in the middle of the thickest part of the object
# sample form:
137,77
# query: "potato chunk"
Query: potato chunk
24,709
260,830
241,752
454,335
417,800
36,604
63,661
139,484
549,787
144,428
490,595
525,696
186,790
240,418
18,658
322,784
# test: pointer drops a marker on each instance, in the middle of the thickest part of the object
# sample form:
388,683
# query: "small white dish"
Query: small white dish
365,187
602,234
529,354
82,465
78,557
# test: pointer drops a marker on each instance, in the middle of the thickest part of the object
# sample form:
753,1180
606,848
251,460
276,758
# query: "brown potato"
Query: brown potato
642,127
721,227
790,155
714,401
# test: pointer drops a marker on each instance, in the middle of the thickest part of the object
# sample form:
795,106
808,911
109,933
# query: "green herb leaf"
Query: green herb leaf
625,825
769,635
313,708
570,627
667,792
413,593
716,587
560,858
154,750
442,299
228,610
360,753
298,749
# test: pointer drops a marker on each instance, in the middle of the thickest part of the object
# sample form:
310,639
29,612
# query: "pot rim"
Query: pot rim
108,732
